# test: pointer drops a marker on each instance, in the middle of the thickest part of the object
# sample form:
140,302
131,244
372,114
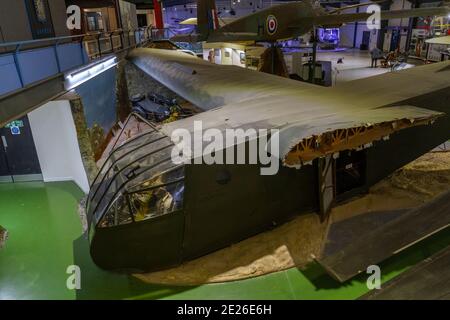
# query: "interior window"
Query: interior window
156,202
118,213
155,197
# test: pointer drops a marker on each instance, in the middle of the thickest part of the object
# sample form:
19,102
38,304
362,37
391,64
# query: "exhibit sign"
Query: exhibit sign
15,126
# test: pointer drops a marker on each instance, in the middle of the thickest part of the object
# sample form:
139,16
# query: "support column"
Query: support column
412,22
313,61
355,33
158,14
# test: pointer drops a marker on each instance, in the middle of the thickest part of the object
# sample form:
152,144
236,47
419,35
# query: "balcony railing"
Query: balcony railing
25,62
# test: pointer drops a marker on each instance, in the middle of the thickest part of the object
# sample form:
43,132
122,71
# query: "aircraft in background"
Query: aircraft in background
284,21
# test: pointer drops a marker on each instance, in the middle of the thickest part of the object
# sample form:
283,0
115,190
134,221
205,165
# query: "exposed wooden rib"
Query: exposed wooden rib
330,142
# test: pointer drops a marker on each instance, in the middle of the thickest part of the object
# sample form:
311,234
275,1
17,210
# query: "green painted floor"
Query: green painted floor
45,238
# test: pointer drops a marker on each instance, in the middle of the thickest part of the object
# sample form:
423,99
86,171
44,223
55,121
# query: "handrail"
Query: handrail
35,41
54,39
57,40
92,46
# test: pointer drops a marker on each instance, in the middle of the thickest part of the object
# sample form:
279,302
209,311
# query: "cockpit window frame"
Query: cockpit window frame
120,158
134,177
119,189
114,149
136,115
96,216
127,195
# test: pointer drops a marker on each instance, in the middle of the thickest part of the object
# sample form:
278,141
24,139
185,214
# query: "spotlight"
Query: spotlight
79,76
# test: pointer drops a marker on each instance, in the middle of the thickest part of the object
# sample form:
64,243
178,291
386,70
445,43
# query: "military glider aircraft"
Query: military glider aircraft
284,21
146,212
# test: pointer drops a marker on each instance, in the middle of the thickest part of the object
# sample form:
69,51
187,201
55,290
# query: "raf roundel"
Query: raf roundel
271,25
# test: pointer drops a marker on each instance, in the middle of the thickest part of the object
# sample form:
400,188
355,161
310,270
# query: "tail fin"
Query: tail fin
207,19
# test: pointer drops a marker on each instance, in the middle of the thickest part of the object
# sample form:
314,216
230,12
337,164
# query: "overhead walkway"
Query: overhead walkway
33,72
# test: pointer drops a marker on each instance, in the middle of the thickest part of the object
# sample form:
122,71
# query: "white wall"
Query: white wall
347,31
373,39
218,56
227,59
387,41
236,58
399,5
56,143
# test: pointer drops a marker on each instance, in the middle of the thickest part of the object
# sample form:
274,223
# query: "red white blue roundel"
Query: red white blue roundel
271,25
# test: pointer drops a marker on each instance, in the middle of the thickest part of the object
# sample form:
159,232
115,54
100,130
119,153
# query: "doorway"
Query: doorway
350,171
18,157
142,20
339,176
365,43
